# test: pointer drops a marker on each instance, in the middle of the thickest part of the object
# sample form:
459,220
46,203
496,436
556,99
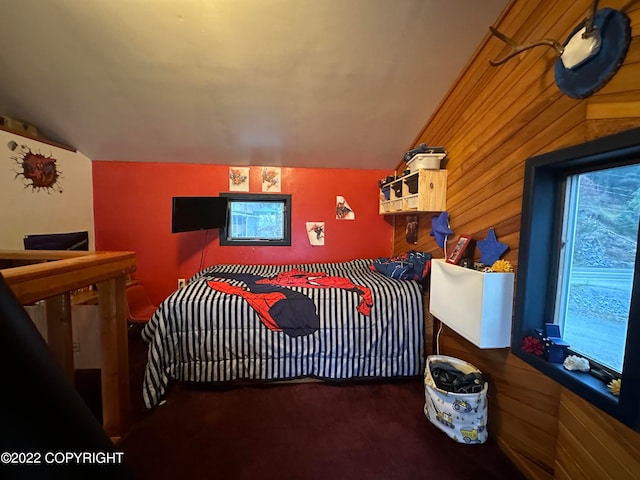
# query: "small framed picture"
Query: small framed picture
459,250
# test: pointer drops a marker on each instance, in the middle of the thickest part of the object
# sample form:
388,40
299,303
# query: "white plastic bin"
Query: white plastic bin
429,161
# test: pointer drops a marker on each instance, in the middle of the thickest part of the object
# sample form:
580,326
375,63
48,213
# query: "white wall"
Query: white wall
66,206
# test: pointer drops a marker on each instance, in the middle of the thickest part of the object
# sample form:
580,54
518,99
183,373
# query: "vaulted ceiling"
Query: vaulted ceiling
306,83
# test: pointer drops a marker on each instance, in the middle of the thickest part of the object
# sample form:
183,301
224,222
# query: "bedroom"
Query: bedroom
490,122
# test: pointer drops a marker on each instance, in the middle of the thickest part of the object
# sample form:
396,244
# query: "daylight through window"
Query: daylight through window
600,231
257,220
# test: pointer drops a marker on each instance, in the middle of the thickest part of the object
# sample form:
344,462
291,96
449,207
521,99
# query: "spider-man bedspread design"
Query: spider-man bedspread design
282,309
268,322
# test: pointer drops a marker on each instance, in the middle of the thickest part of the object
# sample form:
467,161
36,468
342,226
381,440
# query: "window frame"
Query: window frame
538,264
258,197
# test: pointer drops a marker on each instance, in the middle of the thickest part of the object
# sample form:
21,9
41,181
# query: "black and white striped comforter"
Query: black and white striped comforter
203,335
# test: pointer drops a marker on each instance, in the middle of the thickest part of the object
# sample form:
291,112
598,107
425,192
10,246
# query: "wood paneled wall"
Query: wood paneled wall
491,121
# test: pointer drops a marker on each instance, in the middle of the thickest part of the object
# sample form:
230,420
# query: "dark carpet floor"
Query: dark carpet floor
343,431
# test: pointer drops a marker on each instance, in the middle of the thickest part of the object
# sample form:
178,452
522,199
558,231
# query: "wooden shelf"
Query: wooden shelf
38,139
421,191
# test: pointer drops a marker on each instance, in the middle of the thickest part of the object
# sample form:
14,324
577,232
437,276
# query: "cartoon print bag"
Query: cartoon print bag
462,416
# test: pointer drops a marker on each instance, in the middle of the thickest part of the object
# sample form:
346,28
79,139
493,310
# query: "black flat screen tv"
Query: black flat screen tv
57,241
198,213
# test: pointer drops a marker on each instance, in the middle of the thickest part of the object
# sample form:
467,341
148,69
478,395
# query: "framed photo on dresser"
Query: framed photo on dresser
459,250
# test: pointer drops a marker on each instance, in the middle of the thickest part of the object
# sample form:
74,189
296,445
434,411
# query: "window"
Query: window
257,219
578,264
599,245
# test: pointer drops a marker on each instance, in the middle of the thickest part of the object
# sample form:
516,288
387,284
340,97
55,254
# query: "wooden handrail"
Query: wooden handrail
62,272
48,274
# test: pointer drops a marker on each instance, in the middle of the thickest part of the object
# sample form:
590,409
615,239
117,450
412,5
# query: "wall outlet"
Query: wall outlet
181,282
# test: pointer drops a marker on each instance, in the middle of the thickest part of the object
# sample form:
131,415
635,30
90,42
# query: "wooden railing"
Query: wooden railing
49,275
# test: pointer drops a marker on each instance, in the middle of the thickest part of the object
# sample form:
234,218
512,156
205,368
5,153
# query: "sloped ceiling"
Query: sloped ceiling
307,83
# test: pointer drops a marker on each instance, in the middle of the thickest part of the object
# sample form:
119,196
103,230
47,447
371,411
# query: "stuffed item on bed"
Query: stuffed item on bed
407,266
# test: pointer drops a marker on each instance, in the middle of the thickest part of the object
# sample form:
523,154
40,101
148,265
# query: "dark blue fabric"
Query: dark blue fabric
586,79
491,249
408,266
440,228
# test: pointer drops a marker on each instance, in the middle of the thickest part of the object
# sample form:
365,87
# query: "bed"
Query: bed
280,322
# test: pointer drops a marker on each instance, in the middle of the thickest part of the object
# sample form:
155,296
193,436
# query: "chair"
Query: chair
139,305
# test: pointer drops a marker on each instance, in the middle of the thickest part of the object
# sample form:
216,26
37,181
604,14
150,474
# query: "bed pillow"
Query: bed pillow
407,266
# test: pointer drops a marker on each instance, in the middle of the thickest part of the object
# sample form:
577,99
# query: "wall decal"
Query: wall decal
343,210
270,179
315,232
37,171
239,179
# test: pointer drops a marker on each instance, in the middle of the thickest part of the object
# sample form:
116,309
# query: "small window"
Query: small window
578,268
257,219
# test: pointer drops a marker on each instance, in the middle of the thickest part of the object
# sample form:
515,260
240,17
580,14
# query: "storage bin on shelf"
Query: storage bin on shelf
411,202
412,183
429,161
396,205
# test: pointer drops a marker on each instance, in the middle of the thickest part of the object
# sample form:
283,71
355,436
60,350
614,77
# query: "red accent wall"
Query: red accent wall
132,208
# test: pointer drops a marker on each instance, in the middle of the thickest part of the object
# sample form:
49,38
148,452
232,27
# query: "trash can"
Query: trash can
456,398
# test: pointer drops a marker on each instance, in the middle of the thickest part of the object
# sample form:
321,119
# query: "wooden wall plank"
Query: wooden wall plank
506,161
633,55
544,421
581,450
527,442
527,464
606,441
601,127
626,80
614,109
428,327
491,121
634,17
569,470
